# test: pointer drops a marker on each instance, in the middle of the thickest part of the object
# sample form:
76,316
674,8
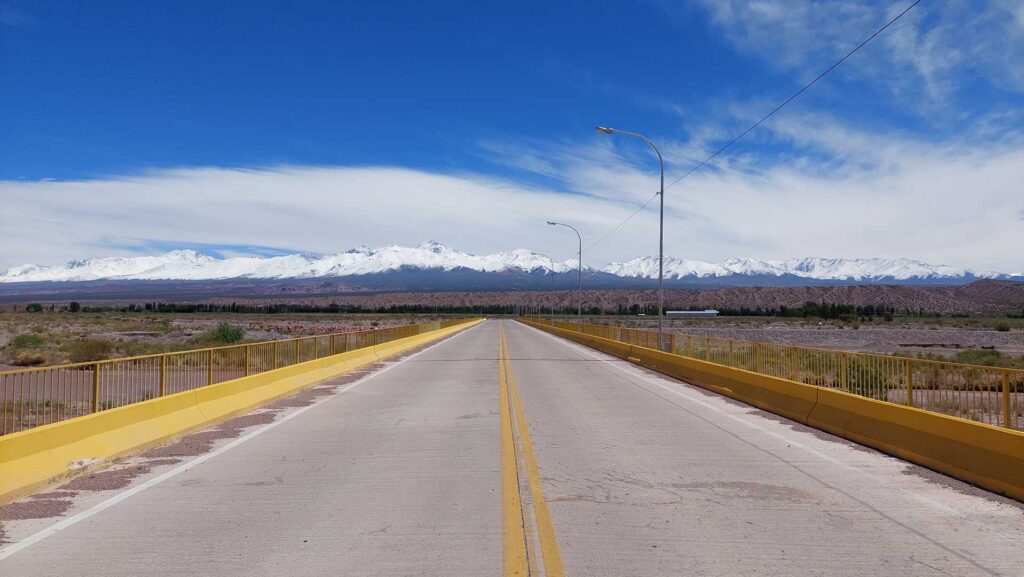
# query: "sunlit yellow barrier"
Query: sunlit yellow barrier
990,395
48,453
986,455
38,396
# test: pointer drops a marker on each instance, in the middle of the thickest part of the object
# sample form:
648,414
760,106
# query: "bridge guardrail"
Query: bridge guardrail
842,401
990,395
42,395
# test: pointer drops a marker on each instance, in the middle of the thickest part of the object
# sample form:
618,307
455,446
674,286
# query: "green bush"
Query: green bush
1002,327
989,358
27,341
225,333
87,350
34,308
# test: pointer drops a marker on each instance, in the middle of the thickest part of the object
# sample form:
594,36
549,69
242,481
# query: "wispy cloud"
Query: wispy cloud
934,54
886,195
218,250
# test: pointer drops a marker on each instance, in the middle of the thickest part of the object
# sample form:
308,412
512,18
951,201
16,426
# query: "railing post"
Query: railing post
163,375
707,348
842,372
274,366
792,363
732,362
297,341
689,346
334,349
245,361
96,388
1006,400
209,367
909,370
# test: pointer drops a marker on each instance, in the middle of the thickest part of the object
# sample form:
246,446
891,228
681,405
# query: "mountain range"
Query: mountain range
433,265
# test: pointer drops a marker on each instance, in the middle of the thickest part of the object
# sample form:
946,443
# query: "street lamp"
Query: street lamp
579,269
661,229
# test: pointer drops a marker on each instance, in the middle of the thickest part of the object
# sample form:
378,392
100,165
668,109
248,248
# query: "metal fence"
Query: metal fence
38,396
990,395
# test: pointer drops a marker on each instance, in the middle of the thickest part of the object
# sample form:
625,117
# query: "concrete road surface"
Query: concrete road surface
554,460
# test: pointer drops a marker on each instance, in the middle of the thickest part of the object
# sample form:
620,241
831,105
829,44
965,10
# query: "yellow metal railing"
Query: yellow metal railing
38,396
990,395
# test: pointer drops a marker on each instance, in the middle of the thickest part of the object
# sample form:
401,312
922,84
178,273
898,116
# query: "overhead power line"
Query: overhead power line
765,117
621,224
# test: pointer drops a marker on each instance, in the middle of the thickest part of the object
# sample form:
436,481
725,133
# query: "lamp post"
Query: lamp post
661,229
579,270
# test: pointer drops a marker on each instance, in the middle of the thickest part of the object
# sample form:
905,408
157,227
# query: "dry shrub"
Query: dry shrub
29,359
87,350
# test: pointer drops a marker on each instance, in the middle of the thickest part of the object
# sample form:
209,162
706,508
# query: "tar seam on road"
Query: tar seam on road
615,364
910,495
517,558
99,507
917,497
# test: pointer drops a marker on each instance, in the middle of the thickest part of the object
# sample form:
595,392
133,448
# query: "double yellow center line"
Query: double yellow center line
526,520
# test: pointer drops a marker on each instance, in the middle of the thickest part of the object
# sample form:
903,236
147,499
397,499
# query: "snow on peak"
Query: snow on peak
187,264
435,247
816,268
191,265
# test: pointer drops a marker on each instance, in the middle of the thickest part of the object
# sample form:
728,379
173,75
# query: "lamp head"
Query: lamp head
604,130
552,223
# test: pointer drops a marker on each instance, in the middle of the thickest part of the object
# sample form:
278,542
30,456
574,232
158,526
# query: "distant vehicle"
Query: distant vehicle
692,314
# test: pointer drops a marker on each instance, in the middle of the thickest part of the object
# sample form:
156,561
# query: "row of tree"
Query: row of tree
823,310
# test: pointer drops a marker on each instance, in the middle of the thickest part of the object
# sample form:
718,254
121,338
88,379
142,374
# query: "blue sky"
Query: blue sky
319,105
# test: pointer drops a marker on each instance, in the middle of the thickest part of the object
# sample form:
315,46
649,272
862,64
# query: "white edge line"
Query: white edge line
110,502
740,419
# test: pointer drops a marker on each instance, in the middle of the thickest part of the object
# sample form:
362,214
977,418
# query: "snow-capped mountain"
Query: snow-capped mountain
439,259
191,265
813,268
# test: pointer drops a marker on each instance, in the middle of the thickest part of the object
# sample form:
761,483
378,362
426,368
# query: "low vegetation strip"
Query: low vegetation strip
39,396
985,394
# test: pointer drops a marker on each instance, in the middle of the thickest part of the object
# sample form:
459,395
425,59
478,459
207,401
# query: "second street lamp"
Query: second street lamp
661,229
579,269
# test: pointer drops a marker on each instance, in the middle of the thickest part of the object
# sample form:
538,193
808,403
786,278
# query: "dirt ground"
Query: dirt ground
918,337
49,338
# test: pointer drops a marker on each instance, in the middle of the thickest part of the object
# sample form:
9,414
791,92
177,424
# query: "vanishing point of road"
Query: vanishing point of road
503,450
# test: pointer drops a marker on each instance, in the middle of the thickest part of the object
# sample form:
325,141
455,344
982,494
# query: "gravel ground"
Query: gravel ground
877,337
896,339
132,334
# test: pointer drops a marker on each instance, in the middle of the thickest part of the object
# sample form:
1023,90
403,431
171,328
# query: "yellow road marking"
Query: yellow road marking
545,528
514,562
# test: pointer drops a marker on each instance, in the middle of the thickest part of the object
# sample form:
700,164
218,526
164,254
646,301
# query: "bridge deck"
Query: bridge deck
401,473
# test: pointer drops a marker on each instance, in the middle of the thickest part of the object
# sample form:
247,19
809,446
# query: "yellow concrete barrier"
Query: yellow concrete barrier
984,455
987,456
52,453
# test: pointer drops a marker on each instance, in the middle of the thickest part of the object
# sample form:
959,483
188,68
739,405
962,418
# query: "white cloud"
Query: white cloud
925,59
318,209
884,196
